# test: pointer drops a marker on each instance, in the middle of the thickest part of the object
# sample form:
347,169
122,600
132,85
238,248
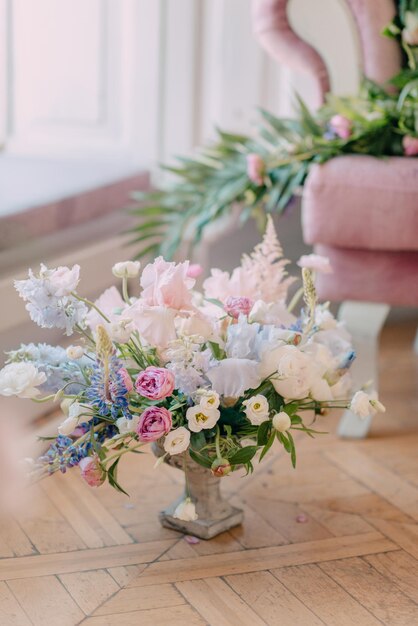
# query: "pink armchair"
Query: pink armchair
360,211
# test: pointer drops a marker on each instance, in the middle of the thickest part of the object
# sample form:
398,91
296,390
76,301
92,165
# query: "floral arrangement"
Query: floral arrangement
220,375
263,174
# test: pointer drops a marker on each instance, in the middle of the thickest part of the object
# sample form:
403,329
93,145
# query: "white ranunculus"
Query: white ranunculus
208,399
231,377
291,371
186,511
281,422
68,426
199,418
75,352
257,409
126,269
20,379
177,441
364,404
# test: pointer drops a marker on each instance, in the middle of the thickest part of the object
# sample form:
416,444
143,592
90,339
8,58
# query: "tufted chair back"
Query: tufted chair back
381,57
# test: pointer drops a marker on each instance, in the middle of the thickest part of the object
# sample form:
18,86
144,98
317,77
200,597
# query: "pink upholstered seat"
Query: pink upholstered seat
362,202
360,211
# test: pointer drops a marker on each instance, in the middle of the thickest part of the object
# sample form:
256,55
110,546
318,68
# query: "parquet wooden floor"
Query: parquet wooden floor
93,557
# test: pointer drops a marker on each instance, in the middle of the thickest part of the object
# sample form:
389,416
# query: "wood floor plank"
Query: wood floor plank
14,539
82,560
324,597
256,532
89,589
70,510
11,613
374,591
377,478
218,604
124,574
84,495
139,599
176,616
405,535
339,524
263,559
46,601
400,568
271,600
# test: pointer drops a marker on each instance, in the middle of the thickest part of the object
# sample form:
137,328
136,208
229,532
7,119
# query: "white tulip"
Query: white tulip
20,379
68,426
177,441
281,422
200,418
257,409
75,352
186,511
126,269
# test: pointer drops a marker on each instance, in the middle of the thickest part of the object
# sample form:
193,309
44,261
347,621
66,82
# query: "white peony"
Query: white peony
291,371
126,269
365,405
199,418
231,377
257,409
177,440
281,422
186,511
20,379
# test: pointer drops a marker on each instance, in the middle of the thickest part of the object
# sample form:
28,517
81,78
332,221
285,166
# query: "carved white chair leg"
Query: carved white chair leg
364,321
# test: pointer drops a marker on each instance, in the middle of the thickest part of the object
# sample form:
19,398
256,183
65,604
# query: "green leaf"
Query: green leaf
292,449
111,476
197,441
243,456
268,445
201,460
263,433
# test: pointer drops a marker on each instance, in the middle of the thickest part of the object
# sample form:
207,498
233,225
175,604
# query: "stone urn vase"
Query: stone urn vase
215,515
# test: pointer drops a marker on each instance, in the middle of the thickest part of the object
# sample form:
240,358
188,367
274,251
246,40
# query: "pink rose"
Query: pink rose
91,471
341,126
167,284
316,262
194,270
154,423
410,145
255,168
127,380
238,306
155,383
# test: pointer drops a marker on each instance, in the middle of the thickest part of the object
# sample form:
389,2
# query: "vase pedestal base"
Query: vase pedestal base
204,528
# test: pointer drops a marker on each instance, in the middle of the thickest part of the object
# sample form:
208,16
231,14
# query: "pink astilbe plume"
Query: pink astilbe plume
265,268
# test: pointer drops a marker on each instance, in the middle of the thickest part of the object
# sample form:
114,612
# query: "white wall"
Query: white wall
145,79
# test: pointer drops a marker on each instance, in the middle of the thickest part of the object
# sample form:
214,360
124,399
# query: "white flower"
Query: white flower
68,425
270,313
126,269
127,426
75,352
20,379
231,377
186,511
364,404
208,399
324,319
315,262
200,418
121,331
341,389
281,422
290,369
177,440
410,32
257,409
